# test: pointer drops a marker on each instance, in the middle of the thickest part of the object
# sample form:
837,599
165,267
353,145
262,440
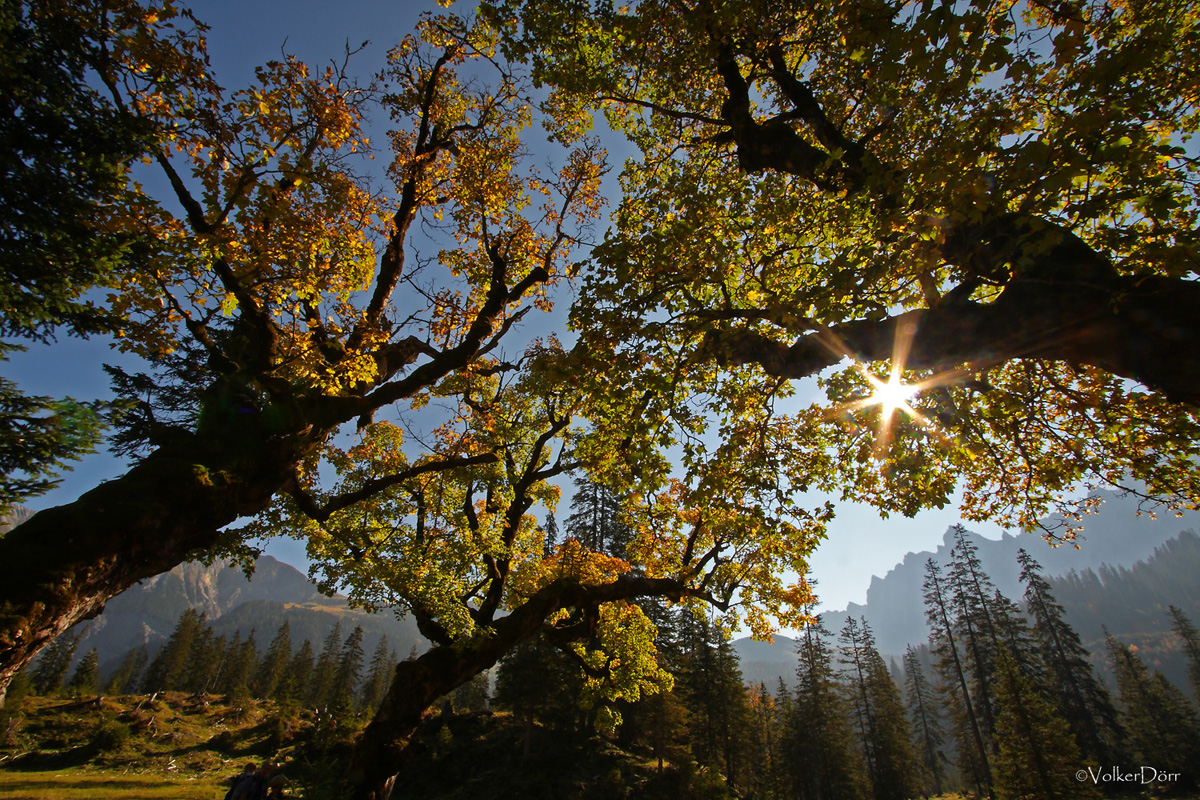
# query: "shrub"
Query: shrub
110,735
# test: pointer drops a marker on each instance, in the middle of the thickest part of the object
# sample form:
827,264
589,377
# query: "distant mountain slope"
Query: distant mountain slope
146,613
1116,538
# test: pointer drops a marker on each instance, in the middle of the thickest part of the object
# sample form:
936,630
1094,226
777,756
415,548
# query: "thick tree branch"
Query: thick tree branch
321,513
1138,327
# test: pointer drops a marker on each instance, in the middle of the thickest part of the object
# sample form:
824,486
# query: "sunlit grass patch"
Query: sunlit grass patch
78,785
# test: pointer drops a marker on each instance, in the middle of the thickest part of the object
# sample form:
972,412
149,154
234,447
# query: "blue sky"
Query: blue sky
249,32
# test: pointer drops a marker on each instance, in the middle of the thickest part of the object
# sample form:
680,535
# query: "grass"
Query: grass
79,784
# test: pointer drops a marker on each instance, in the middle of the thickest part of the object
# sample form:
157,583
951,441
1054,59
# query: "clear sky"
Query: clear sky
248,32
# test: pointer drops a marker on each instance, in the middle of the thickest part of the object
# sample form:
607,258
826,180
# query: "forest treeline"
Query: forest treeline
337,681
1004,700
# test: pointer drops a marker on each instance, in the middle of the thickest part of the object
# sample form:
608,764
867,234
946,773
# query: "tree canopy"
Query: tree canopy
988,209
989,204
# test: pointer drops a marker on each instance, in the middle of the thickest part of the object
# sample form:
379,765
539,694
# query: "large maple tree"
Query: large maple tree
988,209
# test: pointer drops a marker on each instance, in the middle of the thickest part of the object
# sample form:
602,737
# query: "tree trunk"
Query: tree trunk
383,747
62,565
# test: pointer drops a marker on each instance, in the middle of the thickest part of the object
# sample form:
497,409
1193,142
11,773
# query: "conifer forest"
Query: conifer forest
565,333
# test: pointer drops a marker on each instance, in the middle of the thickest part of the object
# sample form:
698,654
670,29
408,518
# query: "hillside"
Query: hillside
1087,579
145,614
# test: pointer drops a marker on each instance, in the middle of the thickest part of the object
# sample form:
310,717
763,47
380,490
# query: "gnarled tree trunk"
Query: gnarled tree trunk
63,564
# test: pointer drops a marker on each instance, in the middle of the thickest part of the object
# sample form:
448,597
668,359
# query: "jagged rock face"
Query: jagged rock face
1116,536
14,517
147,613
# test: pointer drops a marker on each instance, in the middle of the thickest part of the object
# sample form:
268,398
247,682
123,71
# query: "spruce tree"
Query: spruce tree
596,519
126,675
820,745
51,669
928,734
1161,727
884,731
1081,698
324,673
551,535
973,747
87,674
207,663
274,664
379,676
711,684
241,661
972,591
297,684
1037,758
1187,632
169,669
349,669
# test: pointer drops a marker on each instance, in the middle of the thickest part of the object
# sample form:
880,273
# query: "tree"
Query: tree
272,307
128,671
1160,723
1038,758
1187,632
595,519
52,667
349,668
944,643
796,198
66,150
824,761
1080,697
87,674
379,675
928,736
274,664
296,686
884,733
324,675
925,186
169,669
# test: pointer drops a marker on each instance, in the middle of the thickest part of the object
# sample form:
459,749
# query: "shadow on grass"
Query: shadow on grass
57,760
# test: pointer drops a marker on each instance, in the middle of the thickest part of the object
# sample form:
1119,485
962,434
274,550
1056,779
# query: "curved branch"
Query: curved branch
321,513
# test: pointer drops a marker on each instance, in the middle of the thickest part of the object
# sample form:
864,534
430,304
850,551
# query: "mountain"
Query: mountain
146,613
1116,537
1113,539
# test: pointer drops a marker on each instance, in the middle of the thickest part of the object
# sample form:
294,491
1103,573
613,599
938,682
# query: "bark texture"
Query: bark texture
385,744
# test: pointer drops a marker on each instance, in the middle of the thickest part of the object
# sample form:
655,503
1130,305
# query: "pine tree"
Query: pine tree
379,676
1037,758
1081,698
87,674
883,728
349,668
241,663
325,672
596,519
551,534
1161,726
943,642
297,683
928,735
52,667
274,663
169,669
824,761
128,670
1187,632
